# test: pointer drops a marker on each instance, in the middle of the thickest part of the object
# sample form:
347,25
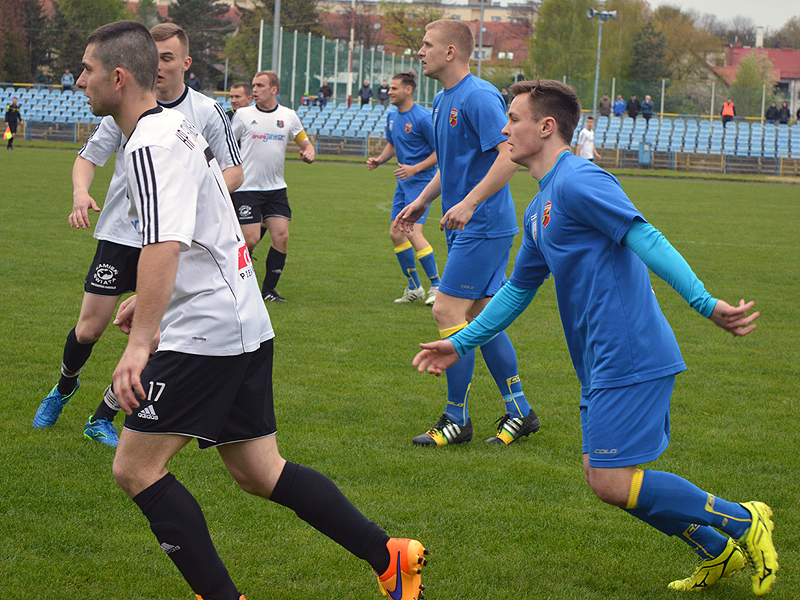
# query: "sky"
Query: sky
772,14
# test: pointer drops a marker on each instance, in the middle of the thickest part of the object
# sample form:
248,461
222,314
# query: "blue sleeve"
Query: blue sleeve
388,129
665,261
501,311
427,131
487,117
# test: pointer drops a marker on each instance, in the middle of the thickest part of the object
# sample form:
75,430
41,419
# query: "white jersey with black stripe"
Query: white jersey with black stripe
213,123
112,224
178,194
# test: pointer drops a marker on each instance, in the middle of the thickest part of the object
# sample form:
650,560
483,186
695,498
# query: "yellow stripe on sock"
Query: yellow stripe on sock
446,333
402,247
636,487
424,252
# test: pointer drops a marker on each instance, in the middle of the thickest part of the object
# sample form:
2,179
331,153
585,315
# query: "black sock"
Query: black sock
75,356
109,407
275,263
180,527
317,500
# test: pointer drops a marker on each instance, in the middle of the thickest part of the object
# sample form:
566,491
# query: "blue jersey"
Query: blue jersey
468,120
411,133
615,330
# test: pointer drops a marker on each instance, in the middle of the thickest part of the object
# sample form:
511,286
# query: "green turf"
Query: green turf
516,522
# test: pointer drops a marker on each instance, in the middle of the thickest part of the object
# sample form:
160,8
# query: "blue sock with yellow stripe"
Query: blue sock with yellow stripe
501,358
428,262
668,496
706,541
405,256
459,380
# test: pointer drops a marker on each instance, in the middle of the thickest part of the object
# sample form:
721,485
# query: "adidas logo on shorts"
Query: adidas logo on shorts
148,413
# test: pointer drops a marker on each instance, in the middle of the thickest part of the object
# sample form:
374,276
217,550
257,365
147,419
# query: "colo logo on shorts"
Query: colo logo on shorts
453,117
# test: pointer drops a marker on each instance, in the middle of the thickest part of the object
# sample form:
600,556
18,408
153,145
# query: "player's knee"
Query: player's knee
125,478
88,332
251,240
607,491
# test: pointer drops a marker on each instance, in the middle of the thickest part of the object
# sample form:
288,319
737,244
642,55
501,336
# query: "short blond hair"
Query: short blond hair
274,80
455,33
165,31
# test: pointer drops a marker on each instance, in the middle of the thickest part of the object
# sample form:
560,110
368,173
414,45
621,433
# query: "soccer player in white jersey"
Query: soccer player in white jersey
113,271
586,147
264,130
211,378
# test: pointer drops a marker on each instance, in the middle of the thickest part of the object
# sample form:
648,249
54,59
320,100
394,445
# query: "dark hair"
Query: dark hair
550,98
128,45
248,89
407,79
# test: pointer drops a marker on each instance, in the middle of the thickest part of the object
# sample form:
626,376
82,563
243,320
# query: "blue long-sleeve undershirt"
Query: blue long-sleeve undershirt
642,238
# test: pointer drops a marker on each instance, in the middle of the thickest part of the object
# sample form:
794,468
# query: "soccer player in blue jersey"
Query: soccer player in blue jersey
474,171
409,137
582,228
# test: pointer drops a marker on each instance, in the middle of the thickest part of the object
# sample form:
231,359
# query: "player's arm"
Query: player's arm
234,177
158,266
665,261
500,173
403,172
82,177
386,154
408,216
307,153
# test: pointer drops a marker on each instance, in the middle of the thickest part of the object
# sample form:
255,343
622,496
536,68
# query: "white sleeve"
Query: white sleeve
296,126
164,195
219,135
103,143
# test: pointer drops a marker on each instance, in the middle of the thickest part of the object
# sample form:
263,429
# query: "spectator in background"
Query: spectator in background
327,93
506,97
772,114
67,80
633,107
728,112
647,109
383,93
783,114
13,118
619,106
365,93
604,106
193,82
798,116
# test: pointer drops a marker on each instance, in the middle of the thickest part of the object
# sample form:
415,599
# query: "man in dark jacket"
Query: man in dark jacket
13,118
633,107
647,109
783,114
772,114
365,93
604,106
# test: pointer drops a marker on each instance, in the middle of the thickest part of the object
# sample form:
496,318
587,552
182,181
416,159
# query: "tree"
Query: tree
687,47
619,35
787,36
754,72
71,24
405,23
649,52
564,40
13,57
147,13
203,22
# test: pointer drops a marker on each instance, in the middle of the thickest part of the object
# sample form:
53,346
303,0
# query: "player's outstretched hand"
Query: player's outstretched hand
124,318
403,172
81,203
436,357
408,216
457,217
734,319
127,377
372,164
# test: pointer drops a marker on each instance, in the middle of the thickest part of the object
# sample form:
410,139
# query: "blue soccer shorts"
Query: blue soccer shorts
626,426
476,267
405,194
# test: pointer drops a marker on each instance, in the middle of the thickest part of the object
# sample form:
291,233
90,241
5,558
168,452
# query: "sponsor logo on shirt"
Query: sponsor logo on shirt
408,127
265,137
546,214
453,117
244,257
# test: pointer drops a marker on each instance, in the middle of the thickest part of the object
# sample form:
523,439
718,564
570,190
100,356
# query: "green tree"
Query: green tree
147,13
649,53
564,42
754,72
619,35
405,23
687,46
203,22
13,57
787,36
71,24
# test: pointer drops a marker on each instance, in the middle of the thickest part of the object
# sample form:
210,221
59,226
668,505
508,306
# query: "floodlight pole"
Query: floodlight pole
601,16
276,41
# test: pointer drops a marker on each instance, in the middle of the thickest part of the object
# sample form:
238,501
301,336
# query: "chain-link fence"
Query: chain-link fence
306,61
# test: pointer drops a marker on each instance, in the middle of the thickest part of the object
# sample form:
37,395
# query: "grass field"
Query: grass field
501,523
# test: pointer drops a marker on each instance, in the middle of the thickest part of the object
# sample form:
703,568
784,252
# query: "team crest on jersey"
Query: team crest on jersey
408,127
546,214
534,218
453,117
280,124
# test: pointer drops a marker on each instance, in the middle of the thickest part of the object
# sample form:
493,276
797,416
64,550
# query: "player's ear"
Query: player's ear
549,126
187,62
